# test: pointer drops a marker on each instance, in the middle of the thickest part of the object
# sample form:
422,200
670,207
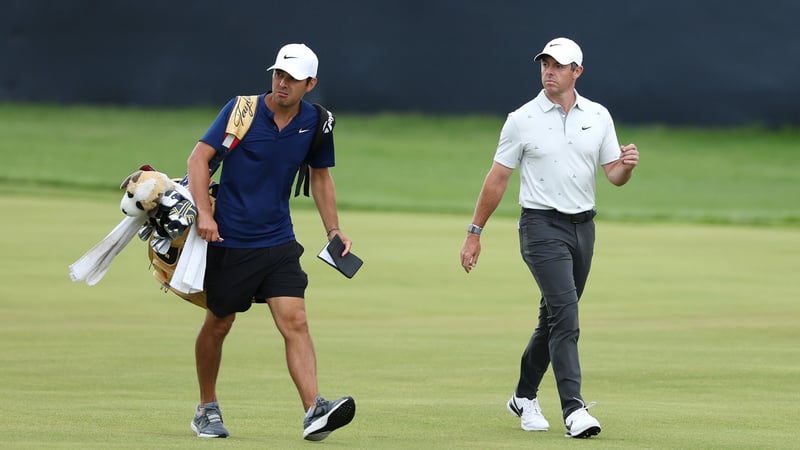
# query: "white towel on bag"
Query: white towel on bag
92,266
189,271
191,268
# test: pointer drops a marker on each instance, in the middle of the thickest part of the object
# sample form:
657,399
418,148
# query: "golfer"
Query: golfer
557,140
252,251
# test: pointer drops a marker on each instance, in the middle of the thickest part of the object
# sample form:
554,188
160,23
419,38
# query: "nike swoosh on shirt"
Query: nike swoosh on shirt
586,128
303,130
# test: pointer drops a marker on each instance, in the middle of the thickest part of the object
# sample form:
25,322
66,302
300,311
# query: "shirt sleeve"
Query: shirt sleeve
609,149
509,147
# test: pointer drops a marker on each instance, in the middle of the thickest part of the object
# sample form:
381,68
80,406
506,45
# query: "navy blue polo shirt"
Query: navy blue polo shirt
252,207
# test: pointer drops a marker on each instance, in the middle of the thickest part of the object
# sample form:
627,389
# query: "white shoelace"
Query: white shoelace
584,406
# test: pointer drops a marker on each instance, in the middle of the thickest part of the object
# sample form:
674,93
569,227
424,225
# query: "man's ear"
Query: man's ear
312,82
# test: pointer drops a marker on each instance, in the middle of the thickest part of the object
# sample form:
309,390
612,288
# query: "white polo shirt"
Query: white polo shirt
558,154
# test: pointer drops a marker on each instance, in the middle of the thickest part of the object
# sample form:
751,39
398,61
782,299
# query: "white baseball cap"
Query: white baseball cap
563,50
297,60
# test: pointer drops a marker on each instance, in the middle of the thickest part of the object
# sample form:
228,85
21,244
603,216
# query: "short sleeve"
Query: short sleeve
509,147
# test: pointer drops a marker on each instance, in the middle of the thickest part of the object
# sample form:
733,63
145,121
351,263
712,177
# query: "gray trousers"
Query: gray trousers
558,250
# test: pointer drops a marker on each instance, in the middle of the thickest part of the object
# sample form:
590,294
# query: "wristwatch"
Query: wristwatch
474,229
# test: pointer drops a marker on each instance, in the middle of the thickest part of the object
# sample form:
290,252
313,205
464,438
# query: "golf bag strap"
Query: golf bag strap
239,122
325,123
244,111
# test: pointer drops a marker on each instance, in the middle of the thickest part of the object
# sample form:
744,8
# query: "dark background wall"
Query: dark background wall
699,62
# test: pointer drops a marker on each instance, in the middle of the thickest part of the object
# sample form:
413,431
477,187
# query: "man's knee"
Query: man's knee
289,314
294,322
563,311
218,326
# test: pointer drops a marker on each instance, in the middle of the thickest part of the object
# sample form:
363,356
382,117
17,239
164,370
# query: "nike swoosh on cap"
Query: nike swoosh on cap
289,57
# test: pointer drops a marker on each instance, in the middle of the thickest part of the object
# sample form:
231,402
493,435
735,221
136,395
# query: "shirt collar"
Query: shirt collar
546,105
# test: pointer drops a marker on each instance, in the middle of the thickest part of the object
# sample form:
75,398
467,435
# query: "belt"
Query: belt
580,217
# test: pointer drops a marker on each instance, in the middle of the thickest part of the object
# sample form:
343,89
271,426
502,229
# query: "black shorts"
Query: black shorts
235,277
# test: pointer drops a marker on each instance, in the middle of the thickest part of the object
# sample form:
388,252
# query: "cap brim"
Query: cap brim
560,61
295,75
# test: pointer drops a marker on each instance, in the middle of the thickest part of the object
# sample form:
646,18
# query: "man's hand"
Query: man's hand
207,228
629,155
470,251
345,240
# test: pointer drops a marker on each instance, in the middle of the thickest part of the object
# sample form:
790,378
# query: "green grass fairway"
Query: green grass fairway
689,338
394,162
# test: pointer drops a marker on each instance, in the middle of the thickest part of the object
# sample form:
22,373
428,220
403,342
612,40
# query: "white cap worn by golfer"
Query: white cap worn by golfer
297,60
563,50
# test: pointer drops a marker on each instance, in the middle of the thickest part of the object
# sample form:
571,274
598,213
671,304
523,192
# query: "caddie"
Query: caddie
252,249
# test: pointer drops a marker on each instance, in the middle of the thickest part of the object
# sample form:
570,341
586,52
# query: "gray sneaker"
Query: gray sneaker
324,417
209,423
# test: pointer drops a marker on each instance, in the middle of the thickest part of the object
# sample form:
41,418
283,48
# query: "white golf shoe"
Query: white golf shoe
529,412
580,424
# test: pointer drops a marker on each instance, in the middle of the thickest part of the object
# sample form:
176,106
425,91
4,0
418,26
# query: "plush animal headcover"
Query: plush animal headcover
143,192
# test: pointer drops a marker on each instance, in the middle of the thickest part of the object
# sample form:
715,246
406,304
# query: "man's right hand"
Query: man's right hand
470,252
